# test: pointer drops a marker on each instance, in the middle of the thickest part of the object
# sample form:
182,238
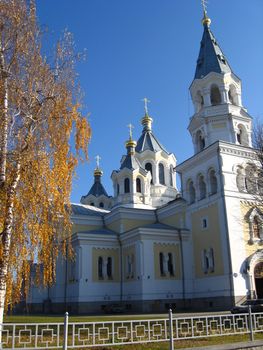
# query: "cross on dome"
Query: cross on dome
130,126
146,101
98,158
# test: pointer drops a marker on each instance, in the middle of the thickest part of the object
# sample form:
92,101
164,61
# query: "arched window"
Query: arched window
92,204
256,227
191,190
138,185
127,185
200,141
202,187
161,174
215,95
170,264
161,258
232,95
101,205
100,268
213,181
242,138
241,179
171,175
109,267
251,179
148,167
199,101
118,189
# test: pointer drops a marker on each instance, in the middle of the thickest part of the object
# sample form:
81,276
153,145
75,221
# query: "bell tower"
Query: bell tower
216,95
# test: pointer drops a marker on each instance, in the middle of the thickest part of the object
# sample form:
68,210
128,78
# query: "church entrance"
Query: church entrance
258,275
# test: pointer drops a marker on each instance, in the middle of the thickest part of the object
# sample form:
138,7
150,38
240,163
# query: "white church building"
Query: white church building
151,246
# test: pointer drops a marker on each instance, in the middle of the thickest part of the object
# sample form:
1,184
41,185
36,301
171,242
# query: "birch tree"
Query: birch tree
42,137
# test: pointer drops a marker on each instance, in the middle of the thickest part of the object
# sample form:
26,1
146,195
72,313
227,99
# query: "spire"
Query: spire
147,140
130,161
211,57
97,188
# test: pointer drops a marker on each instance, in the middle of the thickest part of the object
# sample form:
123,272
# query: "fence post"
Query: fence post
250,323
171,330
65,339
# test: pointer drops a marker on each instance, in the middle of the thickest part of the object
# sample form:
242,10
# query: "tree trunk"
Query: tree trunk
4,120
6,240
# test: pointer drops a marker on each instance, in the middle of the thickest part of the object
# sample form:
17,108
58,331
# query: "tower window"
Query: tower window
213,182
215,95
148,167
200,141
191,190
202,187
170,264
138,185
161,264
161,174
126,185
109,267
118,189
101,205
100,268
171,175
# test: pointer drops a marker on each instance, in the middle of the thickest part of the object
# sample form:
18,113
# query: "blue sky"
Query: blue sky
149,48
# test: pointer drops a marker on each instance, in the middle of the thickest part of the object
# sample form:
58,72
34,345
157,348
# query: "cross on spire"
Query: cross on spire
204,4
130,126
146,101
98,158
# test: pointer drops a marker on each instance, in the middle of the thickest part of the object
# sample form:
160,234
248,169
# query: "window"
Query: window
101,205
100,268
208,260
170,264
232,95
241,135
215,95
199,101
171,175
138,185
148,167
240,179
92,204
191,190
204,223
161,264
255,220
109,268
213,182
126,185
202,187
161,174
256,227
118,189
200,141
251,179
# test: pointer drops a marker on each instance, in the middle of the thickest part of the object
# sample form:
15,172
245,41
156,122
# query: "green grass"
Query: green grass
59,319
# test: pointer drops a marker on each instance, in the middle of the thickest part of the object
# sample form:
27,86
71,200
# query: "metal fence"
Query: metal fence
86,335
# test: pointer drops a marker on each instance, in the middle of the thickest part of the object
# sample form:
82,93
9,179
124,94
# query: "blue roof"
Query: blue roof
211,57
130,162
80,209
148,141
97,190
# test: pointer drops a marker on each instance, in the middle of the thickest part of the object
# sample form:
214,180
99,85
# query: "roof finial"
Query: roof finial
98,158
98,172
146,101
130,126
206,20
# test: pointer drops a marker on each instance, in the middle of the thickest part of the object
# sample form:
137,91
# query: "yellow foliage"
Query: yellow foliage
44,118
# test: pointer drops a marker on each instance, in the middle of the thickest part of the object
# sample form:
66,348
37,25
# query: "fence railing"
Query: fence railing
86,335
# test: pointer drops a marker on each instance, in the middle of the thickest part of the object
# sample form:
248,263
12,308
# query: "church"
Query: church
151,246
